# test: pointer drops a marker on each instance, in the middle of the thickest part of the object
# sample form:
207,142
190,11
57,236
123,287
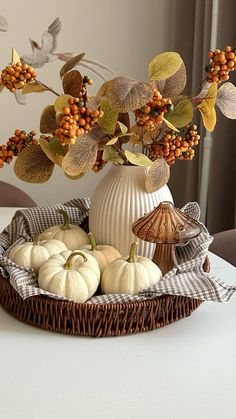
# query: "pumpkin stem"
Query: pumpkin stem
92,241
69,264
36,241
133,253
65,225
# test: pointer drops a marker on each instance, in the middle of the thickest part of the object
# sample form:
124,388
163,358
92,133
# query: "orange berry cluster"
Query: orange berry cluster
173,145
15,145
77,117
221,63
100,163
151,115
16,76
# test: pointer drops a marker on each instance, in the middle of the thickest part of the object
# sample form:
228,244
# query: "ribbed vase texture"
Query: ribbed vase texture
118,201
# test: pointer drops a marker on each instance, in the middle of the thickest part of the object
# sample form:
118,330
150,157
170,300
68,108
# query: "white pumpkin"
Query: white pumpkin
72,235
73,275
130,275
103,253
33,254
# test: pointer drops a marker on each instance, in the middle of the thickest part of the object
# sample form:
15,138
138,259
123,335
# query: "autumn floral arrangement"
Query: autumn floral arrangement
81,133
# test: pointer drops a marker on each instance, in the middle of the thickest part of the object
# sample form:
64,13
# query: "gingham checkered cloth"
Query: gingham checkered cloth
187,279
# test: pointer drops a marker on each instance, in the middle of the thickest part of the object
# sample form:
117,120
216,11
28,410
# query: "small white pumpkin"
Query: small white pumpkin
103,253
72,235
130,275
73,275
33,254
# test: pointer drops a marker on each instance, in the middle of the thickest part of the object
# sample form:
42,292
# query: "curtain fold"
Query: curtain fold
190,35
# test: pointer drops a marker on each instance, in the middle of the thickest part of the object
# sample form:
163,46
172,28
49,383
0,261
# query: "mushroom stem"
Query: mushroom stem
65,225
68,265
92,241
164,257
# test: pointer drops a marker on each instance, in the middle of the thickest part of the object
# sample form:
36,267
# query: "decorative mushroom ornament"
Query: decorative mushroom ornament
166,226
103,253
72,235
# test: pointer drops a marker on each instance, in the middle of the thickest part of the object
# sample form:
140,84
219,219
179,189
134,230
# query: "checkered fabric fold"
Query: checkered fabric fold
187,279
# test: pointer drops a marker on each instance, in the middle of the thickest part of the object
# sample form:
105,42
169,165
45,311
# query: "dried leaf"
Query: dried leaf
158,175
82,155
174,85
109,119
71,64
226,100
55,158
72,83
182,113
32,165
15,58
34,88
74,177
125,94
61,102
164,65
48,121
103,89
171,126
138,159
112,155
3,24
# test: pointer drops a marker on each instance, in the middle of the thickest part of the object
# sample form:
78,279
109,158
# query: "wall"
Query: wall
124,34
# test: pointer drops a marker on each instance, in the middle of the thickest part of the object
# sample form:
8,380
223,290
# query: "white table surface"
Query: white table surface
186,370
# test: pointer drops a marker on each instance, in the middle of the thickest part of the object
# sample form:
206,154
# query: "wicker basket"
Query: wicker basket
95,320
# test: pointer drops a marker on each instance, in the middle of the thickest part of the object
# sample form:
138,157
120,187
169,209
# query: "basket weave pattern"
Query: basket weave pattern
95,320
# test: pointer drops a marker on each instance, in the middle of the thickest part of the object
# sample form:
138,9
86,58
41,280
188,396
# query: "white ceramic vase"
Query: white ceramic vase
118,201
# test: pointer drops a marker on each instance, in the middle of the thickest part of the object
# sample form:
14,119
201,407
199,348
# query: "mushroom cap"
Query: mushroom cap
166,224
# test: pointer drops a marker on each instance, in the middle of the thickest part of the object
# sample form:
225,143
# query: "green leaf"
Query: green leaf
125,94
138,159
112,155
182,113
113,140
171,126
61,102
55,158
109,119
226,100
15,58
164,65
158,175
122,127
56,146
71,64
48,121
32,165
34,88
72,83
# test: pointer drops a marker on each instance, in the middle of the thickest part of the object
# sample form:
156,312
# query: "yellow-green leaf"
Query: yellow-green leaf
71,64
208,118
182,113
173,85
122,127
72,83
32,165
48,121
75,177
15,58
56,146
61,102
138,159
34,88
112,155
171,126
103,89
158,175
164,65
125,94
55,158
207,108
113,140
109,119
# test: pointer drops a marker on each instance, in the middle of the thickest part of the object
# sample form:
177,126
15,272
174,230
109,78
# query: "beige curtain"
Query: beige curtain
190,25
